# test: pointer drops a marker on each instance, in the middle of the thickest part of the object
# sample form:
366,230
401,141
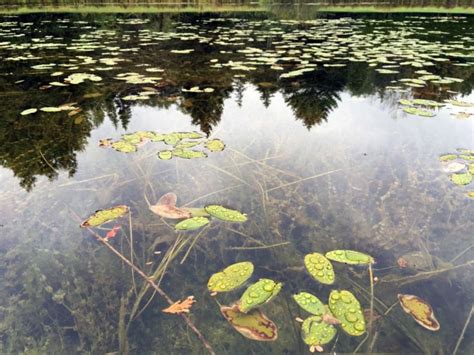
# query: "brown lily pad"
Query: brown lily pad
420,310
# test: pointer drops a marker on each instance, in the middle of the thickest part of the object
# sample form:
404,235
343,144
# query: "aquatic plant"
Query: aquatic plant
420,310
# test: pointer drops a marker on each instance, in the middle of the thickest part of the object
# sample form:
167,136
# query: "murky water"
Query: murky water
320,155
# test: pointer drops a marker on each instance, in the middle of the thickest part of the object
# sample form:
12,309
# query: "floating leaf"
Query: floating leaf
191,223
172,138
461,178
447,157
470,194
51,109
420,310
231,277
346,308
350,257
29,111
314,332
453,167
195,212
225,214
215,145
460,103
418,112
78,78
259,293
309,303
424,102
103,216
188,154
320,268
253,325
165,154
180,307
124,147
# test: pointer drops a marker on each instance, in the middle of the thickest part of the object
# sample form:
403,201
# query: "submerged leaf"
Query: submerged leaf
103,216
169,198
420,310
191,223
346,308
320,268
351,257
253,325
314,332
225,214
261,292
169,211
232,277
309,303
180,306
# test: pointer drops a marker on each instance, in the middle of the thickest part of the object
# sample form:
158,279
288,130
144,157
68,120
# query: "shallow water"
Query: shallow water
321,159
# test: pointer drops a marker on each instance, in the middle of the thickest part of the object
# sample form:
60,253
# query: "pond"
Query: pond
329,133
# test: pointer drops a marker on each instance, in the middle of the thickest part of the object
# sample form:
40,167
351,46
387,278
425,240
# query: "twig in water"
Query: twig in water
458,343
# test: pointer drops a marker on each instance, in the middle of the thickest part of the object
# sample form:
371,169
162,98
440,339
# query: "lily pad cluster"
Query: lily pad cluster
460,166
180,144
342,309
245,314
425,108
194,218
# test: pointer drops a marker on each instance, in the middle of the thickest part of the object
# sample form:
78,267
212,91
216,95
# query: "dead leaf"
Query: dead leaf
402,263
181,306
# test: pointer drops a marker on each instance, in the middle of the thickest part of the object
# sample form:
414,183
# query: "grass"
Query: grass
398,9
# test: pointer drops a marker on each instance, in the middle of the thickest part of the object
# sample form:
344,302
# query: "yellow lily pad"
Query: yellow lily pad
103,216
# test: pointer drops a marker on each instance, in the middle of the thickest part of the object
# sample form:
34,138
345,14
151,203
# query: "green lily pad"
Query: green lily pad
460,103
195,212
314,332
215,145
309,303
346,308
189,135
191,223
186,145
430,103
124,147
405,102
351,257
461,178
172,138
467,156
447,157
225,214
103,216
259,293
188,154
29,111
231,277
165,154
470,194
418,112
320,268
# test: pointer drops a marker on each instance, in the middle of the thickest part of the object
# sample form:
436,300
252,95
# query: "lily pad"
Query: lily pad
103,216
447,157
420,310
225,214
231,277
418,112
192,223
351,257
320,268
346,308
29,111
215,145
165,154
259,293
314,332
309,303
188,154
461,178
124,147
253,325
